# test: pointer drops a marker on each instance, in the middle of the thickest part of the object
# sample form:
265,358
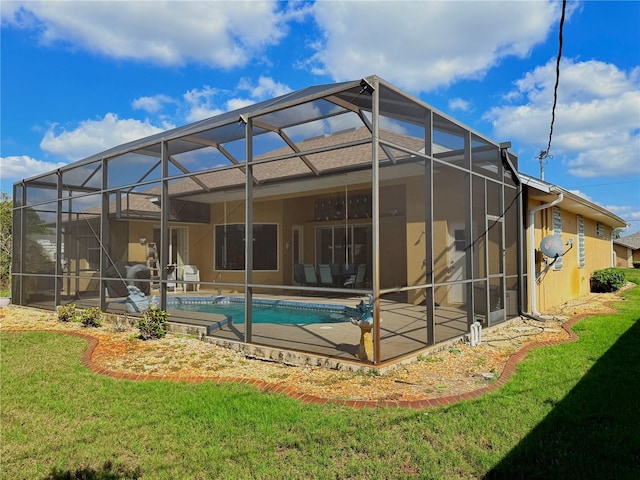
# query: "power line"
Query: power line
603,184
544,154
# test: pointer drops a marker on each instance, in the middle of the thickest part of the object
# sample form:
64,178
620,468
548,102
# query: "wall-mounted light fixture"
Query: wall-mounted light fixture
143,240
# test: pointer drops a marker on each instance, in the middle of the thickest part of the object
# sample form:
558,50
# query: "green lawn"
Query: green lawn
571,411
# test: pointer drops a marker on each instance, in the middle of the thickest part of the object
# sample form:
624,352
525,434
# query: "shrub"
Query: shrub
153,323
606,280
67,313
636,264
91,317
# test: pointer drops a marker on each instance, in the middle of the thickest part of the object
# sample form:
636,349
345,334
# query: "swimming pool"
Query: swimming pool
281,312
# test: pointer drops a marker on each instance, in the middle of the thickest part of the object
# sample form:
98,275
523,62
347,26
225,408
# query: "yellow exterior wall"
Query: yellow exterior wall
298,211
201,240
571,281
137,252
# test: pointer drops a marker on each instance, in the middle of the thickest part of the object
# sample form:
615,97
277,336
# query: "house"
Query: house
627,250
308,205
587,233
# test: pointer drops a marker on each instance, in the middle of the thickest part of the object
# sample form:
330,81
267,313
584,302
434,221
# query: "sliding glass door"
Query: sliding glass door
347,245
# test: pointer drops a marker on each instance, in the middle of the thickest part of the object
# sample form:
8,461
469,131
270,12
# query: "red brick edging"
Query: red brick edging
507,372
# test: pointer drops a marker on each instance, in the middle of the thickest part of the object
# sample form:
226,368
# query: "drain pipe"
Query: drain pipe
535,314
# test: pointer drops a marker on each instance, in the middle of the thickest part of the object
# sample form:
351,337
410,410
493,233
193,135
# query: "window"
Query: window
599,229
230,246
93,258
460,240
339,244
557,230
90,253
581,259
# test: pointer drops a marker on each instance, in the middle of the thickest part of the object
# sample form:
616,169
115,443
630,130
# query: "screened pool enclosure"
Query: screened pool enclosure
325,196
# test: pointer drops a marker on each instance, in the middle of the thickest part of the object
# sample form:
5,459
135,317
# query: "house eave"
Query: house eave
543,191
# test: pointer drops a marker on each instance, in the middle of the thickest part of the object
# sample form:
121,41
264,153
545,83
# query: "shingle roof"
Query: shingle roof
630,241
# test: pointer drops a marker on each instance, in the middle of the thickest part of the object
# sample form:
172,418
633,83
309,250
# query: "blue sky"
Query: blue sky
80,77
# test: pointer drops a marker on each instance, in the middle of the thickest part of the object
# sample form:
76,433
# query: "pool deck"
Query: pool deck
403,332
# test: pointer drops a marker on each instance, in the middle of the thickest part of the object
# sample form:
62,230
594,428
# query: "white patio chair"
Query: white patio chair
190,273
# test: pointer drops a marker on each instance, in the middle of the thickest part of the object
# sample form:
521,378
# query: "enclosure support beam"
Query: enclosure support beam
375,214
428,228
248,231
104,232
164,225
58,265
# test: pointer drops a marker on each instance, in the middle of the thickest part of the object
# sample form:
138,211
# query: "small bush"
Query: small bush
153,323
67,313
607,280
636,264
91,317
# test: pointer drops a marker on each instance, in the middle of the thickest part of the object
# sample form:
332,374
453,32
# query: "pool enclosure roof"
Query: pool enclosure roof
301,129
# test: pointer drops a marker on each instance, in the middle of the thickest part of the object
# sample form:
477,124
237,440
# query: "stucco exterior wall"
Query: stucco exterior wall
624,256
557,286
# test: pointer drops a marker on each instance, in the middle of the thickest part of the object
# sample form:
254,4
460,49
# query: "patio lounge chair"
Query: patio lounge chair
357,280
298,273
325,275
310,277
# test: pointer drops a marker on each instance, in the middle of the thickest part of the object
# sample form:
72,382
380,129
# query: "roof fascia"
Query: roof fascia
548,188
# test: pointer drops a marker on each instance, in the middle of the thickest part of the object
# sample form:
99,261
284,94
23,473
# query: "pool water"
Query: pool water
271,313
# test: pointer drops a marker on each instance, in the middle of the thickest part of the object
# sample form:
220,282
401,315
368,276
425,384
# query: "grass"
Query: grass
571,411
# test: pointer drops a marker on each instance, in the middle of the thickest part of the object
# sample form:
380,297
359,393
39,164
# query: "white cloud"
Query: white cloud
266,88
22,166
596,126
219,34
424,45
207,102
459,104
200,103
237,103
93,136
630,214
581,194
151,104
627,212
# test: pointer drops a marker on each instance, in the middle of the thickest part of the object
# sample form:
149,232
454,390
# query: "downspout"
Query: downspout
535,314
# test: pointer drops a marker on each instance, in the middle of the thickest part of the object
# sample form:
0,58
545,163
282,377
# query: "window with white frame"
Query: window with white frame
581,256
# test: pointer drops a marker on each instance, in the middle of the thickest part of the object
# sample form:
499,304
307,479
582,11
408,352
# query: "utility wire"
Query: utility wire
544,154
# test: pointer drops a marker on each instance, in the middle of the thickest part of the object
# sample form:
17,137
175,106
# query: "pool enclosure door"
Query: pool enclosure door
457,265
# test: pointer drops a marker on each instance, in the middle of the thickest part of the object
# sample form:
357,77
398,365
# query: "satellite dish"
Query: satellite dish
552,246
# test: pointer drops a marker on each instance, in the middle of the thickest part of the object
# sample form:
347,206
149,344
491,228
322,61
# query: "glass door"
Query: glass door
178,247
